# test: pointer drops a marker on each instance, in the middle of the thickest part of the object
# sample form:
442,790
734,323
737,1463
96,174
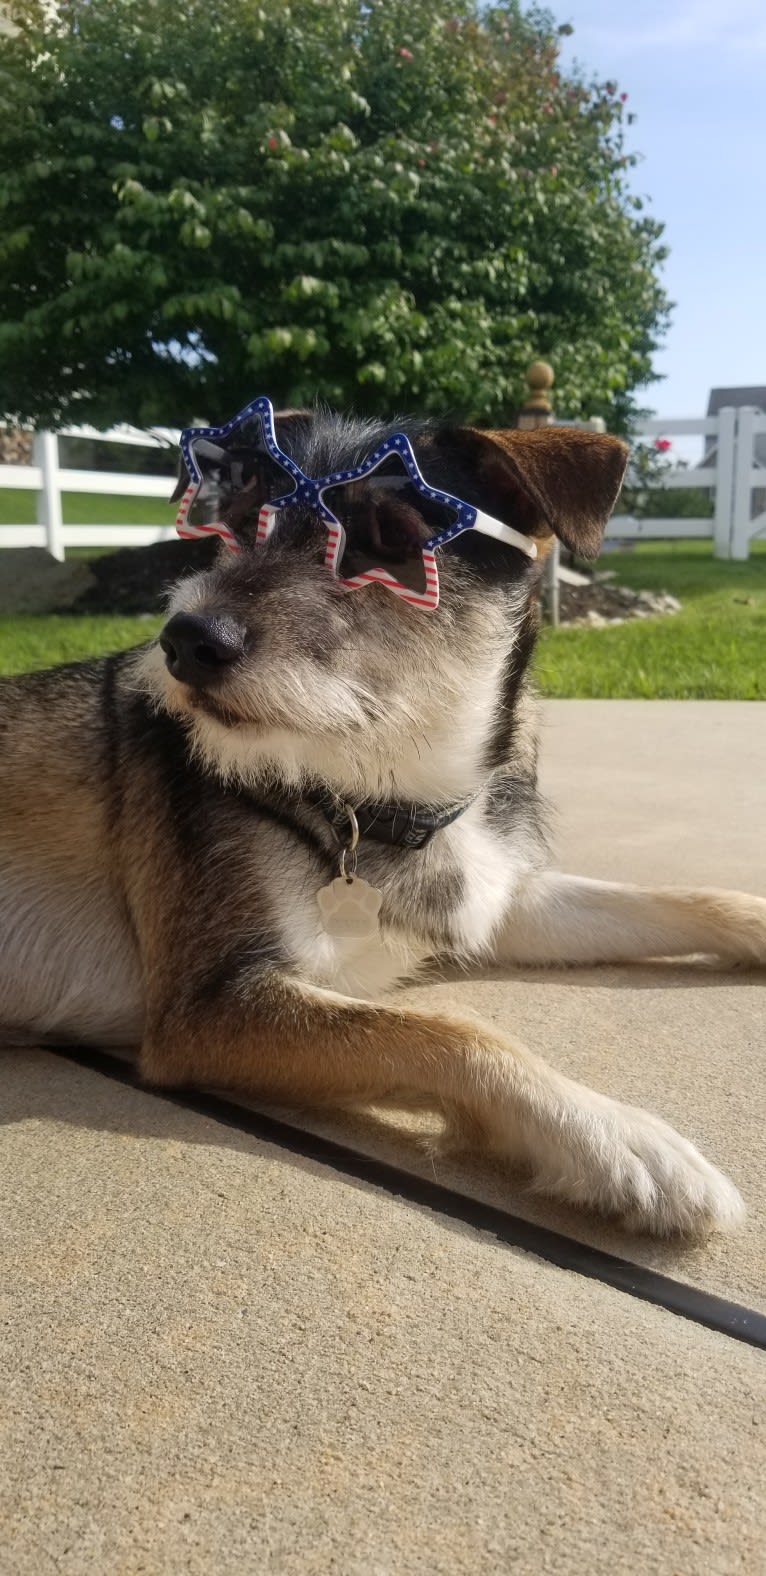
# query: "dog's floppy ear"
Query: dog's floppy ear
293,419
557,479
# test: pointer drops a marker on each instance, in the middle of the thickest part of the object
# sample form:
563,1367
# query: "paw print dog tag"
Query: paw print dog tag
349,908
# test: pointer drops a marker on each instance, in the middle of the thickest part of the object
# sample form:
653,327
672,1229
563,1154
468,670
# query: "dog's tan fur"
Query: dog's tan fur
142,902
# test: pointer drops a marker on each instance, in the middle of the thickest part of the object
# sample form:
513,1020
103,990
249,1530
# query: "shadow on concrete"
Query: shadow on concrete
665,974
44,1086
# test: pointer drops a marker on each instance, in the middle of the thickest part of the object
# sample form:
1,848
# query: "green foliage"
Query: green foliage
390,203
644,496
691,503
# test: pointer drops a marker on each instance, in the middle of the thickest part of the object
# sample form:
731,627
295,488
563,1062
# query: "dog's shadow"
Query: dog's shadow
46,1086
694,973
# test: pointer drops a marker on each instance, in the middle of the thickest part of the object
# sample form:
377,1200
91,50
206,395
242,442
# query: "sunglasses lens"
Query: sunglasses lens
386,522
233,467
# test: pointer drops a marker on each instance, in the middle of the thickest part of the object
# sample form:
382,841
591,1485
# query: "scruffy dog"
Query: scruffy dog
221,845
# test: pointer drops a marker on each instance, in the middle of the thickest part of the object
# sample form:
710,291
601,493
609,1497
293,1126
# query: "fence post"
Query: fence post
741,511
537,411
724,482
46,455
551,582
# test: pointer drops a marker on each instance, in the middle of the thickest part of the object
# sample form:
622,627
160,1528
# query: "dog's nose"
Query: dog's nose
199,650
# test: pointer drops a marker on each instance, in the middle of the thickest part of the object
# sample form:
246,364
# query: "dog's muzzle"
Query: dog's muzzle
200,651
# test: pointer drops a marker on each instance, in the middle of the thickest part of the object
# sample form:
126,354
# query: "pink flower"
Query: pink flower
623,98
547,109
273,142
406,54
421,162
662,445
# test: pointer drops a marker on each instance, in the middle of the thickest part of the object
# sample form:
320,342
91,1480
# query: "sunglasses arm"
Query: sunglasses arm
504,533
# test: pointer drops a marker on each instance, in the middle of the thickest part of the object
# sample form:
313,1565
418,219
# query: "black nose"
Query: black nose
199,650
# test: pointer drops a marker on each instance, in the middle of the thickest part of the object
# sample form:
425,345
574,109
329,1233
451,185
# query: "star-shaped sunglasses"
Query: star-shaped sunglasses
375,531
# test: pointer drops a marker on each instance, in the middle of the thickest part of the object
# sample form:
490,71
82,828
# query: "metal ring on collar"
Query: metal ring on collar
354,824
348,875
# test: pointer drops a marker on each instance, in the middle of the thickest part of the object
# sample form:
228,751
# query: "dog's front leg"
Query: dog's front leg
567,919
269,1035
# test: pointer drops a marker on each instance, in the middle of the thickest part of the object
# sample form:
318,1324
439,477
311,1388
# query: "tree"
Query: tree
389,203
644,495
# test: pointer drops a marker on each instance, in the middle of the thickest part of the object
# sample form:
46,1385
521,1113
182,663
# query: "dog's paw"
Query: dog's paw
625,1163
739,929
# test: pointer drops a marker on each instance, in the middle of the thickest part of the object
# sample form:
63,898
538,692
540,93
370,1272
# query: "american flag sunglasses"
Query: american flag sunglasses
374,532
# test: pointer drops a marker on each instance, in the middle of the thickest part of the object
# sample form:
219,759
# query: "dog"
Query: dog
224,847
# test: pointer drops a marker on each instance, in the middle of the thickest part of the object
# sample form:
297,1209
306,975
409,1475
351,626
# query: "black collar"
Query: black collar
401,826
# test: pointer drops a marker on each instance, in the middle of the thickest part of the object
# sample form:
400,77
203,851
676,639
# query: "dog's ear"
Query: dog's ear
289,421
557,479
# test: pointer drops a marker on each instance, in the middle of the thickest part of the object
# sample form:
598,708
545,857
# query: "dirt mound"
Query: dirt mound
33,582
136,579
598,604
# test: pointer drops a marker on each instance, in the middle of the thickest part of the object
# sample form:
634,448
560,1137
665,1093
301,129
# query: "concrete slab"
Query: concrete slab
658,791
220,1359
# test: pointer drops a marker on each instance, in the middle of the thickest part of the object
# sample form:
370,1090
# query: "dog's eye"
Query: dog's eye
384,527
393,526
251,479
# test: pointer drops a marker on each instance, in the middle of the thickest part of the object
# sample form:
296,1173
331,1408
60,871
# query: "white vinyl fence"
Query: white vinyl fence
731,469
46,478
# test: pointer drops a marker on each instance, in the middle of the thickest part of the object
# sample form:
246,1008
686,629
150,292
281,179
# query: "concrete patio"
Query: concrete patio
221,1357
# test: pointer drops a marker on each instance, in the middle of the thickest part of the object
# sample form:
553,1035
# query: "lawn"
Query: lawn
714,649
33,642
17,507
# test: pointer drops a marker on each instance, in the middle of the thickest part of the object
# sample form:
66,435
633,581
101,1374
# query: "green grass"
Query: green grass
714,649
28,642
41,642
17,507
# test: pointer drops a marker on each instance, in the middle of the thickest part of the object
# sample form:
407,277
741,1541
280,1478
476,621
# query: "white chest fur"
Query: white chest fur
490,867
356,966
366,967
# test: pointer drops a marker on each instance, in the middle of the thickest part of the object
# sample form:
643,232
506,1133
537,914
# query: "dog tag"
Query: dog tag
349,908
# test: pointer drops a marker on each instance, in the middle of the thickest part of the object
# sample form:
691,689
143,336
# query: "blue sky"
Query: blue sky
695,73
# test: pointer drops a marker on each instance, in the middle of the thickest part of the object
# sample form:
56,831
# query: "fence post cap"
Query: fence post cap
540,378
